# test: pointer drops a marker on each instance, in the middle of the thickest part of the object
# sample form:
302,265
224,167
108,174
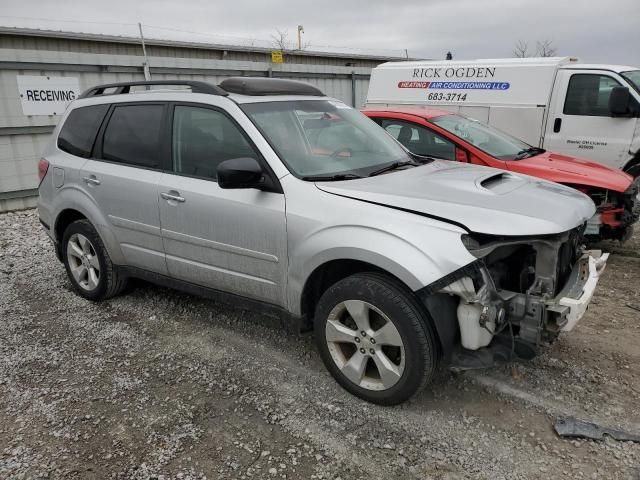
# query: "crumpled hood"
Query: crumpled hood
482,199
572,170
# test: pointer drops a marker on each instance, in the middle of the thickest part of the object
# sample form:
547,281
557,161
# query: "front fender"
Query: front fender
415,263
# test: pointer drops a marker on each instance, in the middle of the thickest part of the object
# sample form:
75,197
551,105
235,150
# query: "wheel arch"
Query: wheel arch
72,204
633,166
439,309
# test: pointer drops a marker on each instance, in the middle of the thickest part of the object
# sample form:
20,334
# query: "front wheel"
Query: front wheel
375,339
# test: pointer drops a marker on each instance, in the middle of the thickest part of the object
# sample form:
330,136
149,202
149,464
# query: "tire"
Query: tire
388,364
83,252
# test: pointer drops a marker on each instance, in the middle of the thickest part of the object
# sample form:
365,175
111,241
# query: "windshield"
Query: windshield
488,139
633,77
324,138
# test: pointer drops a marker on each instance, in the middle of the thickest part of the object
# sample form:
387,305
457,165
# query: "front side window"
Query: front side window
588,94
488,139
79,131
420,140
324,137
633,77
202,138
133,134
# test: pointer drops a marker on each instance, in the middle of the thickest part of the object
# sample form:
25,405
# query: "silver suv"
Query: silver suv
266,192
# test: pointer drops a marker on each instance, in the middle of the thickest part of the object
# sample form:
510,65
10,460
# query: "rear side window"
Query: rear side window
132,136
80,129
588,94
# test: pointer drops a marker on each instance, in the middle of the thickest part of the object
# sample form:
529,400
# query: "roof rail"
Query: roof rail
268,86
125,87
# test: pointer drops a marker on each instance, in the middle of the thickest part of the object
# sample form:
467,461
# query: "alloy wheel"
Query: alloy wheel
83,261
365,345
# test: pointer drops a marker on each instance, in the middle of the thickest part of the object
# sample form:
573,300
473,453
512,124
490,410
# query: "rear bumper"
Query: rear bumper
51,234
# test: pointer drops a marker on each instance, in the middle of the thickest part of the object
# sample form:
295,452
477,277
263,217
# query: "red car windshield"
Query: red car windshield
488,139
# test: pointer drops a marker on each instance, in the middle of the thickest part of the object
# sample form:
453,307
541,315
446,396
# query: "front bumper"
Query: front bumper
581,285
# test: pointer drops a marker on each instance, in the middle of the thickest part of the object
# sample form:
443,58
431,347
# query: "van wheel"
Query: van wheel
374,338
87,262
633,167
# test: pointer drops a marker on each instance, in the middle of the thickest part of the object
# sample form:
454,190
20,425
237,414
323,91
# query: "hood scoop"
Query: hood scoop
492,181
500,183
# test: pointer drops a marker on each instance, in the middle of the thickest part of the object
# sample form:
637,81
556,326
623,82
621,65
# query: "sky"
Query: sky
594,31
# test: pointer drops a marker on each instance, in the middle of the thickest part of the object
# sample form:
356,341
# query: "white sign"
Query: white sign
43,95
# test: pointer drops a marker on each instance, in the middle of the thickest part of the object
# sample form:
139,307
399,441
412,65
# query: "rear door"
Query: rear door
579,121
229,240
122,179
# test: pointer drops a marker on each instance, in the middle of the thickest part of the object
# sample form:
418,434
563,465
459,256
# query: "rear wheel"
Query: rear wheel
375,339
88,264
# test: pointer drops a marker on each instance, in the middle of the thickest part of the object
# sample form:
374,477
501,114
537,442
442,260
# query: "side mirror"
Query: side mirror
619,101
240,173
462,155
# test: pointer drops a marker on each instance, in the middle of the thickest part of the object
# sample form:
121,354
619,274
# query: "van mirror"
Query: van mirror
619,101
240,173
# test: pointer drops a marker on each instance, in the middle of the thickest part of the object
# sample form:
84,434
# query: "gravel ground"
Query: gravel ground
159,384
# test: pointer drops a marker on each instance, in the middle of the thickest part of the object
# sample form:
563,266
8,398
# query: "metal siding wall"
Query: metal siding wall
19,153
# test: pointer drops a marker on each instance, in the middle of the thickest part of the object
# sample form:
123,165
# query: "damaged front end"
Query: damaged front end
616,213
520,294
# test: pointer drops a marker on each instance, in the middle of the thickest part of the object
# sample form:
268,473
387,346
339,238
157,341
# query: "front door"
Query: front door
419,139
230,240
579,121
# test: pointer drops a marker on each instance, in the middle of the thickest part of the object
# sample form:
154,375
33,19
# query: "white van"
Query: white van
589,111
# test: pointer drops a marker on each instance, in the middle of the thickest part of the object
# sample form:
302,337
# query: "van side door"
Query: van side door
579,121
231,240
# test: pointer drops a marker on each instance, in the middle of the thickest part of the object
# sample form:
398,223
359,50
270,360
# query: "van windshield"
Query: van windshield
488,139
325,138
633,77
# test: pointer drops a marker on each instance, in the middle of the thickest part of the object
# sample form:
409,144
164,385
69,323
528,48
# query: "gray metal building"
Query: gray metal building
94,59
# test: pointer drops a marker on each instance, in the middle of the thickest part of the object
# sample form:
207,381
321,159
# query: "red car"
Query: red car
442,134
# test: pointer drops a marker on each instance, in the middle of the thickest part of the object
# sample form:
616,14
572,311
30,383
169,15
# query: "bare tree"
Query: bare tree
280,40
545,48
521,49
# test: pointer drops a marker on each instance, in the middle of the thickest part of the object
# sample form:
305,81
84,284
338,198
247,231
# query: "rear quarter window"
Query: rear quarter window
79,131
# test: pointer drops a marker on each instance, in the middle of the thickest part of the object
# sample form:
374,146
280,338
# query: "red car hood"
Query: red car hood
571,170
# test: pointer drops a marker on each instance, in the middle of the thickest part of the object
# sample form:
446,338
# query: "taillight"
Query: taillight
43,167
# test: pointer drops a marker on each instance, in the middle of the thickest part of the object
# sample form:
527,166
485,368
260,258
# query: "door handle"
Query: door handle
91,180
556,125
172,196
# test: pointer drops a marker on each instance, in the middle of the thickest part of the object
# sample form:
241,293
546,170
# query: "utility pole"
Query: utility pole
145,64
300,32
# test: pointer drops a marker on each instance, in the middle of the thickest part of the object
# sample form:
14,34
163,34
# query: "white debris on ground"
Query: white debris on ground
159,384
